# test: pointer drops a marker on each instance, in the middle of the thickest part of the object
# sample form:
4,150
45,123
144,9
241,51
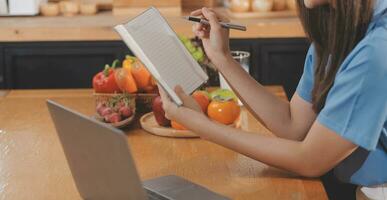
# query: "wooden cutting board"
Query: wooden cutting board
149,124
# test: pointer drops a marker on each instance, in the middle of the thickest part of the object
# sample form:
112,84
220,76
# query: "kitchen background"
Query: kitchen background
62,44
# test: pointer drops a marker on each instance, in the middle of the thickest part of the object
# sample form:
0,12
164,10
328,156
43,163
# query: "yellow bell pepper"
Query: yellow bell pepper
128,62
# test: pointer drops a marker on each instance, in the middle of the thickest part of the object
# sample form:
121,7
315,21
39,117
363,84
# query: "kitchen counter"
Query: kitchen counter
33,164
3,93
99,28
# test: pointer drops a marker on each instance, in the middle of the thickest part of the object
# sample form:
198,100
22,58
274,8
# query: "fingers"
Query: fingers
211,17
198,27
168,106
179,89
203,31
180,92
197,12
200,31
164,97
162,92
188,101
219,15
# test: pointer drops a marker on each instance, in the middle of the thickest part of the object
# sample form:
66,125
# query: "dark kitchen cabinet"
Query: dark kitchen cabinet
275,61
56,65
72,64
282,62
2,69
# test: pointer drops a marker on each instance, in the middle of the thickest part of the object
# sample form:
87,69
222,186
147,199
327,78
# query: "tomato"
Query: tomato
177,126
223,111
202,99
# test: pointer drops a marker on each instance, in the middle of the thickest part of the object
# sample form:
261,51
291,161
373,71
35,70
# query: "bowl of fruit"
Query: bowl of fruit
219,105
118,89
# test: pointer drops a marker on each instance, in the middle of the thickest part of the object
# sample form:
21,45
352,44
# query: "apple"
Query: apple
158,111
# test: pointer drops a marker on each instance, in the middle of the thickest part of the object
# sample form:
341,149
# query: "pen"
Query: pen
223,24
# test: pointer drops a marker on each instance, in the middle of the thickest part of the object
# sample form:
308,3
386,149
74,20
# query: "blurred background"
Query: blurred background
63,44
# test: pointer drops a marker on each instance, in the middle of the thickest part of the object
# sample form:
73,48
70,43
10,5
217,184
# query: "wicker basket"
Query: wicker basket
140,97
121,124
106,98
138,102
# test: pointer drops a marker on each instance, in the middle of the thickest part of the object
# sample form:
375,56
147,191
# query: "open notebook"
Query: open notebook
154,42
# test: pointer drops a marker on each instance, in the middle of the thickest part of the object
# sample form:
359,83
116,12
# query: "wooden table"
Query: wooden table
33,166
3,93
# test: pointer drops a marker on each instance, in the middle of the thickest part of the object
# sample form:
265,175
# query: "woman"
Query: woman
337,119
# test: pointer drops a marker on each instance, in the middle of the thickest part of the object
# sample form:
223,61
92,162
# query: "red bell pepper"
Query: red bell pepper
105,82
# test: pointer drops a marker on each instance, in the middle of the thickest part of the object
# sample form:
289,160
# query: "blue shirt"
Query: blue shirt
356,105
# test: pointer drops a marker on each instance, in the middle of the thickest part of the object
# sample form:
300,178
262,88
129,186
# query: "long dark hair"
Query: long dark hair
335,30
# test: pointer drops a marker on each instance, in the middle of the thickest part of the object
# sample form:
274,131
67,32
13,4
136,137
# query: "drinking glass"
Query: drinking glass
243,57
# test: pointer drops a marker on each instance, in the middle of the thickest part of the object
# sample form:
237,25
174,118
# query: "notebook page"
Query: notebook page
164,50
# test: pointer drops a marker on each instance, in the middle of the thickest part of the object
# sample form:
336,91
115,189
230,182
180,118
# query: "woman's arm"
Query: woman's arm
290,120
287,120
321,150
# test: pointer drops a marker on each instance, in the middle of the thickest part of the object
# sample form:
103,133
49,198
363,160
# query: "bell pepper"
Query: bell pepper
141,75
125,80
104,82
127,63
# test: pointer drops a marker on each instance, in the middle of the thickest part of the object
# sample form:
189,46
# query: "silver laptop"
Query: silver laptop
102,166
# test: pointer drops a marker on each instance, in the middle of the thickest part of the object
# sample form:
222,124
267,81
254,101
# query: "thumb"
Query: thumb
211,16
180,92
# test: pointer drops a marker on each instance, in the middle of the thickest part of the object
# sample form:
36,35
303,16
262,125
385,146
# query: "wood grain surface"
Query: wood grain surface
3,93
79,28
33,165
149,124
146,3
261,15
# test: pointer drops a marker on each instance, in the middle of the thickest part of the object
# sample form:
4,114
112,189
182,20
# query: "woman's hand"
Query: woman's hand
175,113
215,38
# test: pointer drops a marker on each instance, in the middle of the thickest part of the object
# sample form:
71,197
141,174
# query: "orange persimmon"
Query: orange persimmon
223,111
202,99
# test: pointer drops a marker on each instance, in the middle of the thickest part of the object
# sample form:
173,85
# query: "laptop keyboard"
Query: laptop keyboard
154,196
